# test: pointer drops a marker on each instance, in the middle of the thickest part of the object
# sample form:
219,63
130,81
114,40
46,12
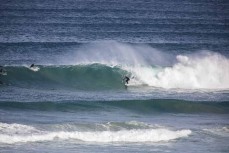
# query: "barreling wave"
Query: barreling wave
200,70
139,106
103,65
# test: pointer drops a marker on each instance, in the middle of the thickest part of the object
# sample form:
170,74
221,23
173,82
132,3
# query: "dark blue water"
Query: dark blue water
75,100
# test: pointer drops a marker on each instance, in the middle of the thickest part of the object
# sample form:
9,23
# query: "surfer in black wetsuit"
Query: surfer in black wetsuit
32,65
127,79
2,70
1,73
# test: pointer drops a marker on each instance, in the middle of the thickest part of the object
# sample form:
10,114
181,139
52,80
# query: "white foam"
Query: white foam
35,68
134,135
16,129
210,71
153,135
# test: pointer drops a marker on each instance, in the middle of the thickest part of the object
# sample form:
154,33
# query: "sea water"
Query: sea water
174,52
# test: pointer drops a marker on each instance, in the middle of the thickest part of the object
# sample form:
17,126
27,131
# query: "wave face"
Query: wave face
18,133
93,76
103,65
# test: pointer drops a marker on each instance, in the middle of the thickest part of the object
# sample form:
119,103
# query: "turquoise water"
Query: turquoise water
175,53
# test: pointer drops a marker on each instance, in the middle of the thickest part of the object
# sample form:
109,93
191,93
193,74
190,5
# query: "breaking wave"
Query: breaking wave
126,135
103,65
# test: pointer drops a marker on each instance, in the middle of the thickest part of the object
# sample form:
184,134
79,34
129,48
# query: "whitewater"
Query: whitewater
137,135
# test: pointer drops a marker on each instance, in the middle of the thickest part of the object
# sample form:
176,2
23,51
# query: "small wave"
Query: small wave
140,106
126,125
16,129
220,131
133,135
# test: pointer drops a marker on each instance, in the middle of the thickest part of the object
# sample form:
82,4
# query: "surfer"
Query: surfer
32,65
34,68
2,71
127,79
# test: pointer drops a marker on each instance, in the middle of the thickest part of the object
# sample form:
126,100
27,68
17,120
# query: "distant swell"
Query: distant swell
139,106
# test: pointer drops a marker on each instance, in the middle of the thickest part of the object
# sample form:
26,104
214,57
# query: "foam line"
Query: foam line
133,135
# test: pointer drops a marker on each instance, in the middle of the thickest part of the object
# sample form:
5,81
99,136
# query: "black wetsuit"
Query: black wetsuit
127,79
32,66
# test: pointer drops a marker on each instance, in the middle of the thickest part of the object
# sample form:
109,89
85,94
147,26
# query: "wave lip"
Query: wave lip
128,136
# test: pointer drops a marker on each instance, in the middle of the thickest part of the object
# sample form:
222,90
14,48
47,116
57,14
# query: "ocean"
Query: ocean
175,52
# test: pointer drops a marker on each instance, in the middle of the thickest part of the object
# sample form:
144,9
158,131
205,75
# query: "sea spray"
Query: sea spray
114,53
209,71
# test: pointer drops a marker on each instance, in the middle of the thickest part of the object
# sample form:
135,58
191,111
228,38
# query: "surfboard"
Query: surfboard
3,73
34,68
127,84
130,84
133,84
